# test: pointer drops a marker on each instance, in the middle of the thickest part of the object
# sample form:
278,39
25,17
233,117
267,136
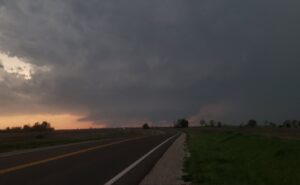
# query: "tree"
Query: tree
266,123
181,123
272,124
146,126
44,126
202,123
212,123
26,128
252,123
219,124
287,124
294,123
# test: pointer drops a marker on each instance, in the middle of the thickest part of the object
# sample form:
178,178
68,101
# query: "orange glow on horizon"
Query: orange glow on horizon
61,121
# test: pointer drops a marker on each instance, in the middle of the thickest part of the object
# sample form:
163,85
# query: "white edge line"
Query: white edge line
122,173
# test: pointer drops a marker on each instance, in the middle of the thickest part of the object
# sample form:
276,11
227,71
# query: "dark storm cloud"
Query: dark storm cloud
118,61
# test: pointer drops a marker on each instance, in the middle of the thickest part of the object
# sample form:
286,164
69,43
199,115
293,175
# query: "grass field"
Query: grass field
235,158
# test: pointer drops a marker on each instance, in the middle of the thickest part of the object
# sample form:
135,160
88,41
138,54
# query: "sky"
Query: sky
111,63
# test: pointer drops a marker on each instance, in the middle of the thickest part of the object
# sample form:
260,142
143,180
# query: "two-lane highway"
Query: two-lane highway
118,162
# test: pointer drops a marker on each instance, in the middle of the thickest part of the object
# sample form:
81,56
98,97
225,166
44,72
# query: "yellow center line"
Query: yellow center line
22,166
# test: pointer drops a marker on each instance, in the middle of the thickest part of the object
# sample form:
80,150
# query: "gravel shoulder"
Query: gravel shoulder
168,170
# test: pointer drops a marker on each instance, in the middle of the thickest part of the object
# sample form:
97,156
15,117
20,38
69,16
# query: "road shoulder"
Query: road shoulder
168,170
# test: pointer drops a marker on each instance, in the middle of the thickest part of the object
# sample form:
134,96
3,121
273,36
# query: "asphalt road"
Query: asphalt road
85,164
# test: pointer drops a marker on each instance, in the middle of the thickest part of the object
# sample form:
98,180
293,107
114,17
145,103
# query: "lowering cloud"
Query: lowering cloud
119,61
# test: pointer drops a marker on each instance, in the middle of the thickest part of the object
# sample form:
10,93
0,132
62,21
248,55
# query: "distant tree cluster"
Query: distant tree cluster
253,123
181,123
290,124
210,123
146,126
285,124
37,127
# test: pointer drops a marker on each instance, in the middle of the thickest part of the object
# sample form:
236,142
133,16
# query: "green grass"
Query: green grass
231,158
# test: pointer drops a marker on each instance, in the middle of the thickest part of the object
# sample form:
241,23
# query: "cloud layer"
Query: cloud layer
140,60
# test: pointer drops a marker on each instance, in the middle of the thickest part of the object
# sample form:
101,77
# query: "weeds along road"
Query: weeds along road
119,162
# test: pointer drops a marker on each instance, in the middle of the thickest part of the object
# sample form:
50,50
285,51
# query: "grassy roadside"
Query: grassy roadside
232,158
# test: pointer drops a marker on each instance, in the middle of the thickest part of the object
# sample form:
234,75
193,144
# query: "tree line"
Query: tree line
284,124
184,123
36,127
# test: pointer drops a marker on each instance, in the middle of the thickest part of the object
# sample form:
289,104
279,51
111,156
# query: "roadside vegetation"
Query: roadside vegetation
233,157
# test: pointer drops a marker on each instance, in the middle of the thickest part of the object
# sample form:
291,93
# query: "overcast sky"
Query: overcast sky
116,61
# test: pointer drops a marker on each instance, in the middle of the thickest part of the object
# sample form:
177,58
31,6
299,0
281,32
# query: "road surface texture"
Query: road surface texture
123,162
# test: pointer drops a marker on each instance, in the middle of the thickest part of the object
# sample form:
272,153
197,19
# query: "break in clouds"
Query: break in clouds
117,61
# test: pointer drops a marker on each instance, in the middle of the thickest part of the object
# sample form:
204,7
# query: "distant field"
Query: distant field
243,157
20,141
